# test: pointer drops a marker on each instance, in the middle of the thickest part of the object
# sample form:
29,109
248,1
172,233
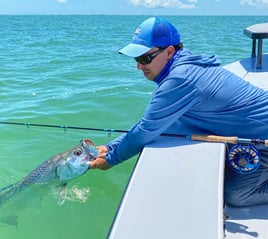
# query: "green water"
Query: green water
65,70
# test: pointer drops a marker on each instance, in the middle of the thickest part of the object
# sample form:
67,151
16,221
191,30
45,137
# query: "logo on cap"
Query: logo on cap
137,31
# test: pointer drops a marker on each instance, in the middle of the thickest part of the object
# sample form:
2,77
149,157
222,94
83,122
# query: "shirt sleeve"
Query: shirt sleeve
171,100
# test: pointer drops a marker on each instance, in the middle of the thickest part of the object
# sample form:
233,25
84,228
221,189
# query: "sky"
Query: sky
136,7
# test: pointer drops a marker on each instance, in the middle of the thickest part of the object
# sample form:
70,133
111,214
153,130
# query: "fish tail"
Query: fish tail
9,191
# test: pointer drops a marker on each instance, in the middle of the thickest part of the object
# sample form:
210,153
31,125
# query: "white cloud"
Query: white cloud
164,3
258,3
61,1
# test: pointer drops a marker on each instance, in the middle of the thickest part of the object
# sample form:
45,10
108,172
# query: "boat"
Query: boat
172,194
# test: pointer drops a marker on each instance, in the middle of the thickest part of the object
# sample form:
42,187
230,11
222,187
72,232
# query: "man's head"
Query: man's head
153,32
155,38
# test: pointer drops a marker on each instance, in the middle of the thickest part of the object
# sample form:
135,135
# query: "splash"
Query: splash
76,194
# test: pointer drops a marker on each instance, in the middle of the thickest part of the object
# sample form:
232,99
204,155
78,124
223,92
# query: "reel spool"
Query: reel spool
243,159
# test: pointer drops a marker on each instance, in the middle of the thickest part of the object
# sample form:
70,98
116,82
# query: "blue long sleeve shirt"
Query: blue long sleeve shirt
194,93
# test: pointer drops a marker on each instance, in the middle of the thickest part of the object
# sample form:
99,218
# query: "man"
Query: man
193,95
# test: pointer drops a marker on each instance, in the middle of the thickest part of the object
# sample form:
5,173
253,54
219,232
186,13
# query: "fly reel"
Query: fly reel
243,159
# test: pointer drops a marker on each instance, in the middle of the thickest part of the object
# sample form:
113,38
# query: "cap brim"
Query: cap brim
134,50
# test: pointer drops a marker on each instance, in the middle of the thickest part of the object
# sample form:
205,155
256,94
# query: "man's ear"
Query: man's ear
170,50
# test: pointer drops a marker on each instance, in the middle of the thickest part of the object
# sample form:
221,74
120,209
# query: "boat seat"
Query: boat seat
257,32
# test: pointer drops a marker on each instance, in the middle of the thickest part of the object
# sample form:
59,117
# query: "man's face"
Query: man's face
158,58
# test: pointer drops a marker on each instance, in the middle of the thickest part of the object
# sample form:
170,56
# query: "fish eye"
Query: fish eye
78,152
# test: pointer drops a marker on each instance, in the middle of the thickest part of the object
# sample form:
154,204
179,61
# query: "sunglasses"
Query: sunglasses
147,59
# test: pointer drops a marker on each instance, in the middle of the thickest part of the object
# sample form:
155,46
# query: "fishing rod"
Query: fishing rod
243,157
228,139
65,127
193,137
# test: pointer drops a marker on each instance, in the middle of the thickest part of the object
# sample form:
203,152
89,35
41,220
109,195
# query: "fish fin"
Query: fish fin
60,193
10,221
8,192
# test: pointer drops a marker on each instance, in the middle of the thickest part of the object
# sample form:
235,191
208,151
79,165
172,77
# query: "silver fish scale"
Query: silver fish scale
42,174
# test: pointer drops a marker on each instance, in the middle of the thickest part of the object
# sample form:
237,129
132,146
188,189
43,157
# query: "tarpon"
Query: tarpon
59,169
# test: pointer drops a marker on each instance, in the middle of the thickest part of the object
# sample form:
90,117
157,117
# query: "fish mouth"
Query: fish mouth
87,142
91,150
90,157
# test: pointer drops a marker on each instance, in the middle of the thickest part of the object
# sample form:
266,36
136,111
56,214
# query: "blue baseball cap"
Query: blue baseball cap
153,32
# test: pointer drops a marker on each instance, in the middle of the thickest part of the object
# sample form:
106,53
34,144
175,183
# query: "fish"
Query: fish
58,170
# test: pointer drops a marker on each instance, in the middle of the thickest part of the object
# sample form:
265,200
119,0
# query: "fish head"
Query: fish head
75,162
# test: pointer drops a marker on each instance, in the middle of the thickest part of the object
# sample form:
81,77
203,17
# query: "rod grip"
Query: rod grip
215,138
266,142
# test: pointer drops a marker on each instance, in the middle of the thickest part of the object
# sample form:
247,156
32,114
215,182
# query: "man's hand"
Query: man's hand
100,162
102,149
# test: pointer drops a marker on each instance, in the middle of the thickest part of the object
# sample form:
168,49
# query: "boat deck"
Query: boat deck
246,70
248,222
